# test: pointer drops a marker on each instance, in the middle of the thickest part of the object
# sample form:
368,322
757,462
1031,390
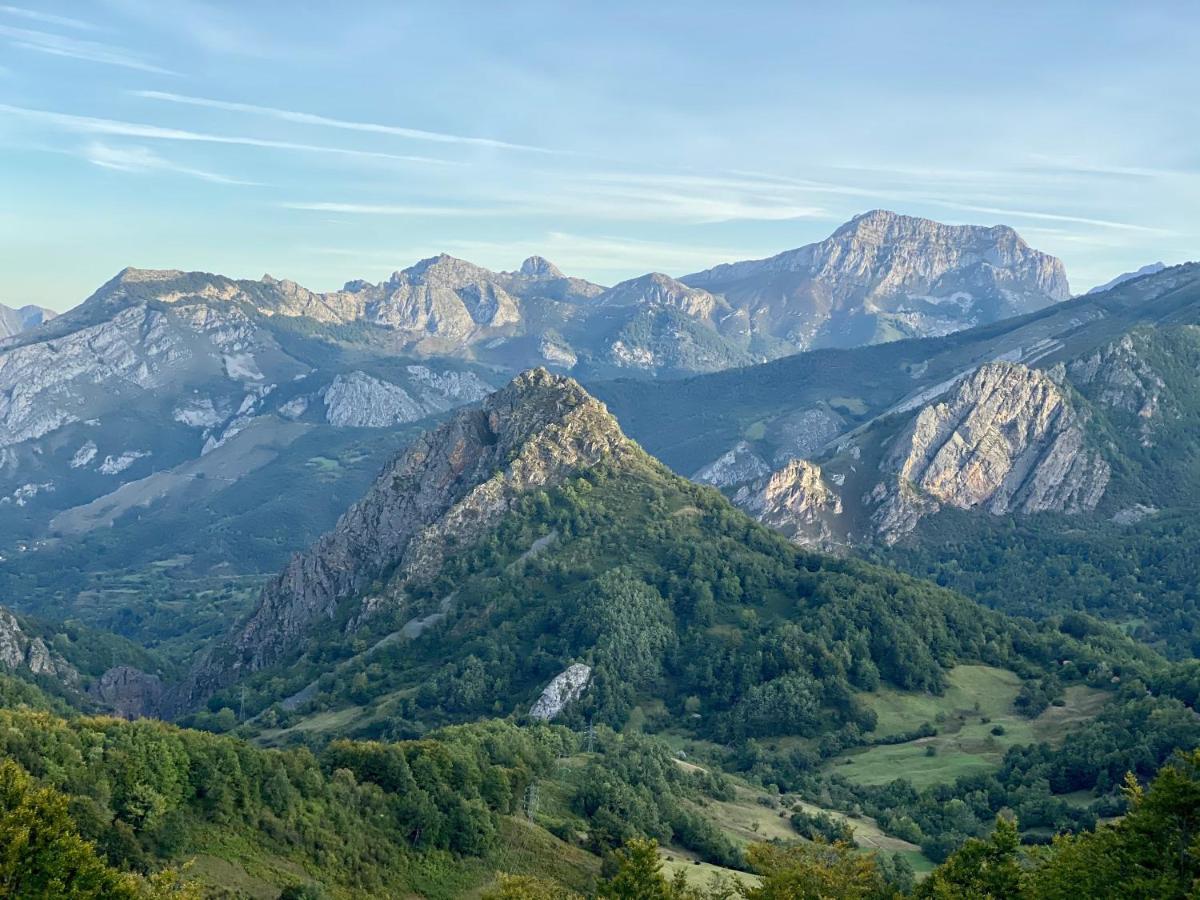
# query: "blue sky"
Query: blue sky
324,142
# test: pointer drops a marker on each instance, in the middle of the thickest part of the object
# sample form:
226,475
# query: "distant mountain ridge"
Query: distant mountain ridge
1149,269
14,321
882,276
879,277
167,396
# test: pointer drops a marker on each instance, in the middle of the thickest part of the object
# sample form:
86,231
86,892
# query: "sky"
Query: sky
325,142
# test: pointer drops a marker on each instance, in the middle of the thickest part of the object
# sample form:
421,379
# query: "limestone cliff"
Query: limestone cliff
1007,440
563,690
795,500
734,467
128,692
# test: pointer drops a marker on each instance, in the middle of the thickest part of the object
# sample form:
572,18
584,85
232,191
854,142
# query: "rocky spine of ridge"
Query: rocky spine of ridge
1007,440
449,488
657,289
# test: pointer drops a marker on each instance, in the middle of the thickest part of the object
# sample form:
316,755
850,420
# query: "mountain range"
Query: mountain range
165,388
484,618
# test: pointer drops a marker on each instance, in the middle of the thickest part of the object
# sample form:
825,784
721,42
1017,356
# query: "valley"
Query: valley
463,623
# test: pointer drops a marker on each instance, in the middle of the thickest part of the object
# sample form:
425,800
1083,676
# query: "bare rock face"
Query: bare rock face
1007,440
539,267
128,692
1117,376
795,500
736,466
563,690
358,400
447,489
882,276
444,296
22,651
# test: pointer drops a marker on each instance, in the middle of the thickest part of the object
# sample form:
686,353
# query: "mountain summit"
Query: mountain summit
883,276
446,490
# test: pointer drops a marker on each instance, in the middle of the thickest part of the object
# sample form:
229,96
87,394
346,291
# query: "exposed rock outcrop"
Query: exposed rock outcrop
358,400
795,500
539,267
20,651
1007,440
736,466
1150,269
1117,376
449,487
14,321
563,690
128,692
657,289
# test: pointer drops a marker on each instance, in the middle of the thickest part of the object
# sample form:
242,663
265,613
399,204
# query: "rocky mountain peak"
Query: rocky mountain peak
883,276
133,275
14,321
444,270
657,289
539,267
1150,269
449,488
883,225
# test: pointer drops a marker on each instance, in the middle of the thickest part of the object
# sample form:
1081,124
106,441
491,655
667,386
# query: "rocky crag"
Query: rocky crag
448,488
795,500
27,653
1007,440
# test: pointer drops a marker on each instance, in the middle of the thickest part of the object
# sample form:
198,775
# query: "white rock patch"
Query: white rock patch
563,690
114,465
84,455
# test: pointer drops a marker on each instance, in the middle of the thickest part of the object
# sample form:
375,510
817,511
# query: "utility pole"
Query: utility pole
591,736
243,716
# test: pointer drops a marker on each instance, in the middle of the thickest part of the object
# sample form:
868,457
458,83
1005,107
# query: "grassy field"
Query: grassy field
746,820
976,724
698,873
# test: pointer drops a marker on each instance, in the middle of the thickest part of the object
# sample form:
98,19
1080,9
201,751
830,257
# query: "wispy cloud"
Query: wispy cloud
1048,217
612,196
45,18
143,159
581,203
75,48
372,209
90,125
303,118
1089,167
